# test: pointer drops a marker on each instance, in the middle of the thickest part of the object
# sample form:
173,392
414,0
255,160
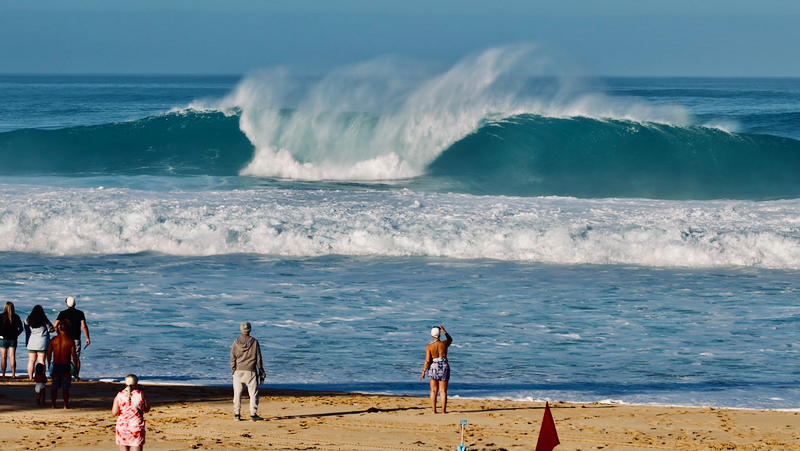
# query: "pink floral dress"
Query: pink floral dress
130,422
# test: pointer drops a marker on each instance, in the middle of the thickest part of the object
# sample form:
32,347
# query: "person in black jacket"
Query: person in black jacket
10,328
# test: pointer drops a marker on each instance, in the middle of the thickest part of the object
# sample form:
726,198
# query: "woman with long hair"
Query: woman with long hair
10,328
130,405
37,331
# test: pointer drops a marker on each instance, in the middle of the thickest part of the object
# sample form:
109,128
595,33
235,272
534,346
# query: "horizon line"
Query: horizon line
322,73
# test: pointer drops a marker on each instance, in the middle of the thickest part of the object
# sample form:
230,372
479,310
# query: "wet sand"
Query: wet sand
185,417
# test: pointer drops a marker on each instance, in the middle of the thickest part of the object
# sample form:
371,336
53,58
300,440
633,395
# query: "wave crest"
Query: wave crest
383,120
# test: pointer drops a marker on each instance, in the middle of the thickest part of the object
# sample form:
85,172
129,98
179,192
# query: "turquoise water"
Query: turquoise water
622,239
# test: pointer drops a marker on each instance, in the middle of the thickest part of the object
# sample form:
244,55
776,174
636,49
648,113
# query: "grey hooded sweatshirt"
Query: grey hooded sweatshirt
246,355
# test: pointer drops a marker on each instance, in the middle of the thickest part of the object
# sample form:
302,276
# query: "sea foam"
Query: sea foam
401,223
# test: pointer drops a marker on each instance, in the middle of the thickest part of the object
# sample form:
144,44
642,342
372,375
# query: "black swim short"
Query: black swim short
61,375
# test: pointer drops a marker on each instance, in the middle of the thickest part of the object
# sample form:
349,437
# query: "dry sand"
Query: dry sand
185,417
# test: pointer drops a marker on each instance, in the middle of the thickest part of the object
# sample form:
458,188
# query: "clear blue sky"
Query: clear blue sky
593,37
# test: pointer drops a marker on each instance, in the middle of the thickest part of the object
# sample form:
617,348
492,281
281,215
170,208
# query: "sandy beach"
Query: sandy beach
188,417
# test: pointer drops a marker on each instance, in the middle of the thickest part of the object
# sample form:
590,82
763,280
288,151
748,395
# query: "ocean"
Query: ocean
630,240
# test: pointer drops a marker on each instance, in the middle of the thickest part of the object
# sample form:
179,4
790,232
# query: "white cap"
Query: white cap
70,301
435,332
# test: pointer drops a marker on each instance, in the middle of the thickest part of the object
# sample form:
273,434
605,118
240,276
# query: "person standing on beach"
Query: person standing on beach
77,322
10,328
246,366
41,381
130,405
436,366
61,352
37,337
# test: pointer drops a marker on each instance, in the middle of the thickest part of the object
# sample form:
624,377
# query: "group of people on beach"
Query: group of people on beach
60,344
39,335
47,343
63,352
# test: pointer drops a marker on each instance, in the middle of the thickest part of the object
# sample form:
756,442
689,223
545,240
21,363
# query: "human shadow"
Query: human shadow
349,412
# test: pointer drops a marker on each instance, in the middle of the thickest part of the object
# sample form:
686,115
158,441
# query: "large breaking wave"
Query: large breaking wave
502,122
521,155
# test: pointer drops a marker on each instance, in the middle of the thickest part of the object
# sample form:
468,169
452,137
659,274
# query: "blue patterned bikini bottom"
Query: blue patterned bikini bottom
439,369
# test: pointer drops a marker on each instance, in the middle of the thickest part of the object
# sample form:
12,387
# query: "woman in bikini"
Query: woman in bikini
436,366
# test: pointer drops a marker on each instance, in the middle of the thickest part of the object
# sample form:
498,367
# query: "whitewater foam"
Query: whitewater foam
401,223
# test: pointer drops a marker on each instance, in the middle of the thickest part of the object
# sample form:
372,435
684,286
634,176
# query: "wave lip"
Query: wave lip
296,223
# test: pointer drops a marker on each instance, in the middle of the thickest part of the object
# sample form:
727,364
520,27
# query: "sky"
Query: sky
586,37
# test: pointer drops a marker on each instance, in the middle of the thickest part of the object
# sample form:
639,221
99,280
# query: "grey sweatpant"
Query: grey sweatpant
241,378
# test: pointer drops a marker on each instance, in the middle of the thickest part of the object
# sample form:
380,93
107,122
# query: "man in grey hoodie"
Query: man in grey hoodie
246,366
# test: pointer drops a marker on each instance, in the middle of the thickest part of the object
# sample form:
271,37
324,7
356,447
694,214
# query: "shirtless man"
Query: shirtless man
60,352
436,366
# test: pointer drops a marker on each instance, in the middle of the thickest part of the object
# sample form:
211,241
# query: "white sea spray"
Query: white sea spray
693,234
388,118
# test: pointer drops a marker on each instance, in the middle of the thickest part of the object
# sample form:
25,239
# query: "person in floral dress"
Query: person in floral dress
130,405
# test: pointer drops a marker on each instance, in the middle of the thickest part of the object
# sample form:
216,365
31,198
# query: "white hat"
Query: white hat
70,301
435,332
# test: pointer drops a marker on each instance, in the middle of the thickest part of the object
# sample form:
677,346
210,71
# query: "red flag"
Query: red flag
548,437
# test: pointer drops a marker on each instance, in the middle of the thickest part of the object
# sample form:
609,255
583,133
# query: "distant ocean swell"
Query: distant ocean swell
302,223
179,143
520,155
